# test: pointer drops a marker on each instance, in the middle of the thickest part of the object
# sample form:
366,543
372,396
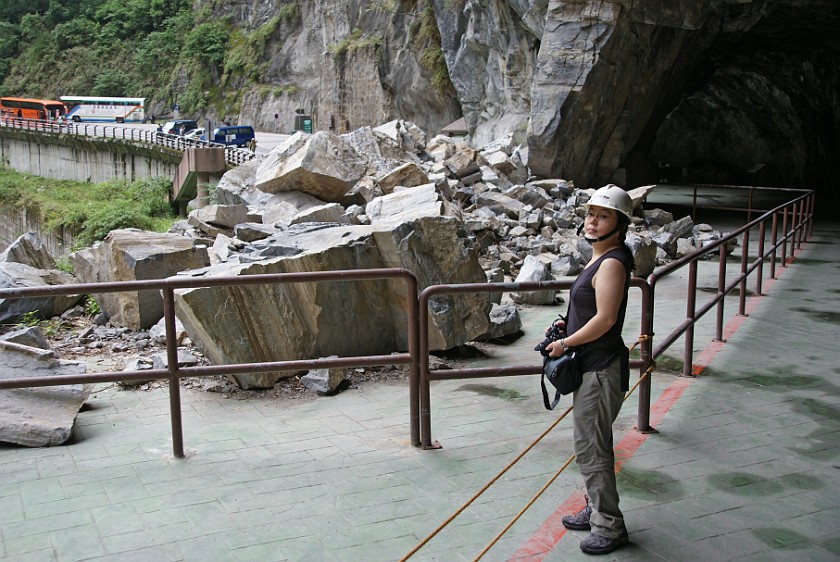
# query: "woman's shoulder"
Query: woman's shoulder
620,256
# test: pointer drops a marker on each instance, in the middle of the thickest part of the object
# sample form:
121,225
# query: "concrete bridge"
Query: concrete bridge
96,153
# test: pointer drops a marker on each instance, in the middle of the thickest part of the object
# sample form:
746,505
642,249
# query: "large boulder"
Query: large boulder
27,263
322,165
286,321
42,416
28,249
135,255
19,275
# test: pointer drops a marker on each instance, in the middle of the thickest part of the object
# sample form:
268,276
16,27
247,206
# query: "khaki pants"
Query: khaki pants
596,405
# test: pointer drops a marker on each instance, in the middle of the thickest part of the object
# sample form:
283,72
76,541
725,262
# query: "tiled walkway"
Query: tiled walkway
745,464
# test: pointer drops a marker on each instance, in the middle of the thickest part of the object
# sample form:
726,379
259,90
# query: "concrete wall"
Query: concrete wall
15,222
71,157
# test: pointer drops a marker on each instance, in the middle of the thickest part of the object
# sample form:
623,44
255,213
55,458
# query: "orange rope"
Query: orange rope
484,488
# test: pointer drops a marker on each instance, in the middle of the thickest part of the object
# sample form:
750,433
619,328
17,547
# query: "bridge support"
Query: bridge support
193,178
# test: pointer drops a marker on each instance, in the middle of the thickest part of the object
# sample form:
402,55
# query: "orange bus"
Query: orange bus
26,108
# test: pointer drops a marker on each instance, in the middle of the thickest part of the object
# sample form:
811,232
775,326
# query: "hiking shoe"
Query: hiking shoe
579,521
596,544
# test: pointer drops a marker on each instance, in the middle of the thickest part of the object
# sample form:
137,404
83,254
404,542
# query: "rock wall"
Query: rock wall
602,90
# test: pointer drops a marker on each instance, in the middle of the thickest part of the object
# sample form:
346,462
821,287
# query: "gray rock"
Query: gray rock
30,250
131,254
644,253
504,323
41,416
30,336
221,216
326,213
322,165
137,363
231,324
325,381
19,275
408,174
533,270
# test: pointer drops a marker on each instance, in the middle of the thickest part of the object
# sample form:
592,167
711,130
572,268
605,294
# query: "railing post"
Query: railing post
425,399
761,256
414,366
690,312
800,225
172,367
721,293
646,352
774,239
742,286
784,237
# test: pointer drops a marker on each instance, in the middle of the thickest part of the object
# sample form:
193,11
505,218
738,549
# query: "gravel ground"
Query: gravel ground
104,348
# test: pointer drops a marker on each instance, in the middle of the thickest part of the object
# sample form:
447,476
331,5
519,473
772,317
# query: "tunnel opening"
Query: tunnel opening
760,107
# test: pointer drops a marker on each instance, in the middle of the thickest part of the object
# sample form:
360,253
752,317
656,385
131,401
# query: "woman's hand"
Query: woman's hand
555,349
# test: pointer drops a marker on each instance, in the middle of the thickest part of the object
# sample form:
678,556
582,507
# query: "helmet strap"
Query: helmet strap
604,237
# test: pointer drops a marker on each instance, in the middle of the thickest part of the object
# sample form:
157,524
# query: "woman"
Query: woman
597,305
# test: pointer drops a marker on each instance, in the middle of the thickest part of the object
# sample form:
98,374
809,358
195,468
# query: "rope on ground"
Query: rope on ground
536,496
465,505
551,480
527,506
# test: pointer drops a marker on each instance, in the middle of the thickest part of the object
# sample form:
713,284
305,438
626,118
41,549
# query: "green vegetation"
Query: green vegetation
355,40
48,326
91,306
168,51
171,51
50,48
426,36
29,319
90,210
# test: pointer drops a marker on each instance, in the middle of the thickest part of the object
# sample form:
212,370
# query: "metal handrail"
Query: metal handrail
801,210
174,373
797,224
427,375
720,246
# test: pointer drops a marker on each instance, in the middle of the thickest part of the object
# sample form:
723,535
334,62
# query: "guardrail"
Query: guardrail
174,373
796,218
233,155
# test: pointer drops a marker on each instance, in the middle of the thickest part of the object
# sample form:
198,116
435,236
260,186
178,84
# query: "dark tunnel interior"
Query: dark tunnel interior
761,107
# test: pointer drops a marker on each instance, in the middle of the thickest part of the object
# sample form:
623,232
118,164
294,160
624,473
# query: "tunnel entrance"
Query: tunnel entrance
760,107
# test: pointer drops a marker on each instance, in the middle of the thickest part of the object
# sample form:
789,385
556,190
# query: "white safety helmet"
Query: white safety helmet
612,197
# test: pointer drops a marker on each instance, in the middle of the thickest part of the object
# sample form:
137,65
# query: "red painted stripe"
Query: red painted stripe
552,530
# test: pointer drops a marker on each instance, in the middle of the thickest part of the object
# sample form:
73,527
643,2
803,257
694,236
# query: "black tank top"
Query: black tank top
600,353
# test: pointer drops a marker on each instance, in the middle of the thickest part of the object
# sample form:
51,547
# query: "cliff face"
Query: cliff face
347,63
720,90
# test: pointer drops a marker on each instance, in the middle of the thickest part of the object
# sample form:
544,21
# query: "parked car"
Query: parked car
195,134
236,135
179,127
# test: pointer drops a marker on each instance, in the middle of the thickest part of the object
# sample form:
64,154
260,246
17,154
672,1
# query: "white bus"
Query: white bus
93,108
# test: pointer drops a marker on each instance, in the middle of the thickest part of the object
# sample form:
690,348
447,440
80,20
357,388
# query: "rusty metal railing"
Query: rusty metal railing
797,223
797,219
427,375
174,373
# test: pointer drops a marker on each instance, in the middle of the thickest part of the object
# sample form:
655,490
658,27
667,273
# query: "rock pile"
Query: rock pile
373,198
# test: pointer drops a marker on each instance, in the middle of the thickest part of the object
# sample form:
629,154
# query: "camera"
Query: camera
554,333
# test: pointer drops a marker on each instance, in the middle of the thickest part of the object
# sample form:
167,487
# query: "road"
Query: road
266,142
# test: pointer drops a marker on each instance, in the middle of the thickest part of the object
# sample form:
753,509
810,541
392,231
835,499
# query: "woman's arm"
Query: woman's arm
608,283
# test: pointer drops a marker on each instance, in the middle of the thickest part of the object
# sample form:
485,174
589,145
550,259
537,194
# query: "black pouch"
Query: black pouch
565,374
